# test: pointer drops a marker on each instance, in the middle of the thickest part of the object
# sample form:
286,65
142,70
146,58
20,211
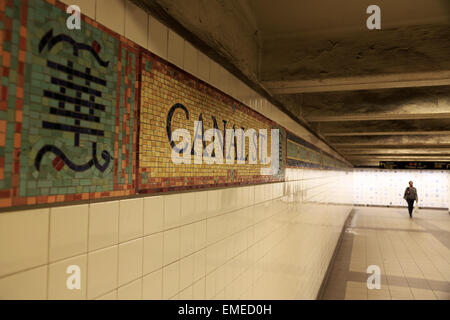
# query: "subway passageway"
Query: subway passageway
224,150
413,255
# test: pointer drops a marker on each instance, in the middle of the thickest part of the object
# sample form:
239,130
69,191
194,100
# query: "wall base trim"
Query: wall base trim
326,277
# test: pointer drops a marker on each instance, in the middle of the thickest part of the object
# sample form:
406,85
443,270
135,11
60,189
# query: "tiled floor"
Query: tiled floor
413,256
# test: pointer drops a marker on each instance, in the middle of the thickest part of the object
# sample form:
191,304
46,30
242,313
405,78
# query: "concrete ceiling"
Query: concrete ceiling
372,95
288,19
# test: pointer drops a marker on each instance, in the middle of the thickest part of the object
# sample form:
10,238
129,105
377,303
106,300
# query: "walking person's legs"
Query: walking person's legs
410,207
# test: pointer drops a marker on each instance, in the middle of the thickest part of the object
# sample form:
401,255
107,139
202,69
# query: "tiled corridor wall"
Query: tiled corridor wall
386,187
271,241
448,194
261,241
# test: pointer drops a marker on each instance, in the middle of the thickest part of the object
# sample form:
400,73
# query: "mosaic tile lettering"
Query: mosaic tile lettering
172,99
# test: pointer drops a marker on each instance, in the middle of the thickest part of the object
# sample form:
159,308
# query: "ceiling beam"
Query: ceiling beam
390,127
387,116
399,158
408,156
392,151
384,104
384,133
405,80
346,148
393,141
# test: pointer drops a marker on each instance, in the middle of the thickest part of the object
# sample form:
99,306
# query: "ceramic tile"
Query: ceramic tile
130,261
114,17
131,291
103,224
102,272
68,231
23,240
26,285
131,219
153,285
153,215
175,51
153,252
136,24
157,37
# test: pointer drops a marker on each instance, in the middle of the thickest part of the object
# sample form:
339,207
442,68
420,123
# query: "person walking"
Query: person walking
410,196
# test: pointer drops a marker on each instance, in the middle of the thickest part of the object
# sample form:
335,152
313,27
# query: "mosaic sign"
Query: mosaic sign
68,110
172,99
300,153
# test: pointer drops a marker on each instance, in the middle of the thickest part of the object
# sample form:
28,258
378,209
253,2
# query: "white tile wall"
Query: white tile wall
175,53
68,231
153,253
136,24
448,194
241,243
387,187
153,215
204,66
131,219
131,291
103,224
172,211
102,272
130,261
23,240
152,283
171,245
158,35
216,75
190,58
27,285
109,296
171,277
111,13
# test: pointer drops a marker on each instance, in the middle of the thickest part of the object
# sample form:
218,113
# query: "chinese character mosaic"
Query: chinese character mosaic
68,107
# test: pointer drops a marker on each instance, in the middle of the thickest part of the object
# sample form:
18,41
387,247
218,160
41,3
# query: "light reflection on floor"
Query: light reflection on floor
413,255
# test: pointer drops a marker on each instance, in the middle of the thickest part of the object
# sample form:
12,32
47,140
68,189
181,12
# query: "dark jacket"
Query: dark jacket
411,194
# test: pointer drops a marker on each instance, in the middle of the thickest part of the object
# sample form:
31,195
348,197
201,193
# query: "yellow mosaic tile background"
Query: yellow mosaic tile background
160,91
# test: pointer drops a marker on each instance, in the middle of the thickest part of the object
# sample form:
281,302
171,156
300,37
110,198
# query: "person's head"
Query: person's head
410,183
